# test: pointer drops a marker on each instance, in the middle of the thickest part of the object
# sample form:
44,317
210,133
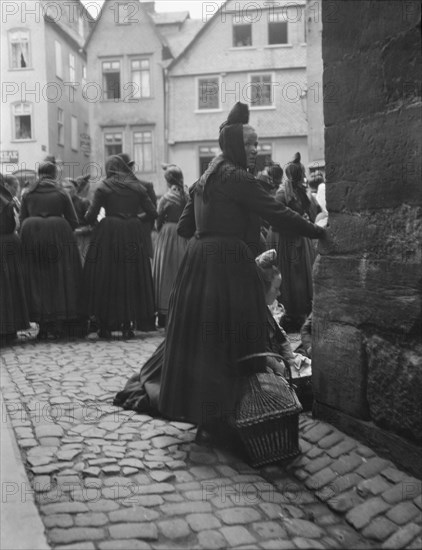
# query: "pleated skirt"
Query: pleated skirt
13,307
52,269
168,255
117,281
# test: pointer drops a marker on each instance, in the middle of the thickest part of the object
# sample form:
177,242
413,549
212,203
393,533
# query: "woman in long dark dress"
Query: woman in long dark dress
118,288
217,311
296,254
169,247
13,307
52,266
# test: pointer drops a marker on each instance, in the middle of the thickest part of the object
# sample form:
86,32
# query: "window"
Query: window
22,114
277,32
113,143
208,93
242,35
206,154
74,133
142,151
261,93
19,47
72,68
141,78
60,126
59,62
111,79
264,155
83,75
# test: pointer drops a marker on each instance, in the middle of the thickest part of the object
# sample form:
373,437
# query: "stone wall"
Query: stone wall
367,304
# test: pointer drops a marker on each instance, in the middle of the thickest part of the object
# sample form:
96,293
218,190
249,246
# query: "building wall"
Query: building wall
314,69
124,42
283,124
61,95
24,84
367,350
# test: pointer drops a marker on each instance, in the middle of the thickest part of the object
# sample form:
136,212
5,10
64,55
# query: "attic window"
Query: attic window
242,35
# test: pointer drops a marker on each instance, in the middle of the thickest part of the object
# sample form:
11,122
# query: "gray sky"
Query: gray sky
196,8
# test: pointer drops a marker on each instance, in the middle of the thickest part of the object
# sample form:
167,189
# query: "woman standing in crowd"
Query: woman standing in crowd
13,308
296,254
81,205
147,221
52,265
217,311
118,288
169,247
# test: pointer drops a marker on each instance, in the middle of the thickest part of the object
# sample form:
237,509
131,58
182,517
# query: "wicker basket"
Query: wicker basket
267,417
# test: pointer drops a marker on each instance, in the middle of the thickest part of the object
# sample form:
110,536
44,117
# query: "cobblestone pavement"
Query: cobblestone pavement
105,478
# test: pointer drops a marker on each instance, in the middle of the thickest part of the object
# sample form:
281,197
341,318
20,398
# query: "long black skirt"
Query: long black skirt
52,269
118,287
217,314
13,307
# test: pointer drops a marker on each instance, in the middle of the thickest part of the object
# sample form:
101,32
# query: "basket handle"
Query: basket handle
268,354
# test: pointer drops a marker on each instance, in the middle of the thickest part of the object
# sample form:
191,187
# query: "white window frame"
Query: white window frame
270,105
12,41
138,92
111,61
83,74
112,131
72,68
74,134
60,126
138,167
15,108
58,59
207,110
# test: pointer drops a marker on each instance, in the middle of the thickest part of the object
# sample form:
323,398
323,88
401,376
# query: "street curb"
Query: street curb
21,525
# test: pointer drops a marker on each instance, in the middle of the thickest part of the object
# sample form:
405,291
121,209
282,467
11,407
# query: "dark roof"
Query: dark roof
170,18
179,40
199,32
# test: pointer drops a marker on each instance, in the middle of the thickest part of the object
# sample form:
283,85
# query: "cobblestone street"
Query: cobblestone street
104,478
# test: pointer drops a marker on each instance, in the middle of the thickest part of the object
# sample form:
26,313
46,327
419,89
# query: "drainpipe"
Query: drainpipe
166,115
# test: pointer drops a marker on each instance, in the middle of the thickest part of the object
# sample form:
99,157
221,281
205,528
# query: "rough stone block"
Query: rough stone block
402,537
404,513
338,366
340,24
394,383
362,514
385,172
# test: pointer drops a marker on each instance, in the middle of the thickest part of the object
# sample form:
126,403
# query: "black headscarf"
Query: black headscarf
119,174
231,143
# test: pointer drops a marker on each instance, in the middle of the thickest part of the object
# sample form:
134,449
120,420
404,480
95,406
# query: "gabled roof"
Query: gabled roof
146,13
179,39
170,18
198,34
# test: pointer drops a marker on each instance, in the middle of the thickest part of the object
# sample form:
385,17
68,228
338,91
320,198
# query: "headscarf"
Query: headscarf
119,173
231,135
294,185
231,143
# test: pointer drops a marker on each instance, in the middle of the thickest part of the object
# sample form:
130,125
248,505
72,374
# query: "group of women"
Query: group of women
47,280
